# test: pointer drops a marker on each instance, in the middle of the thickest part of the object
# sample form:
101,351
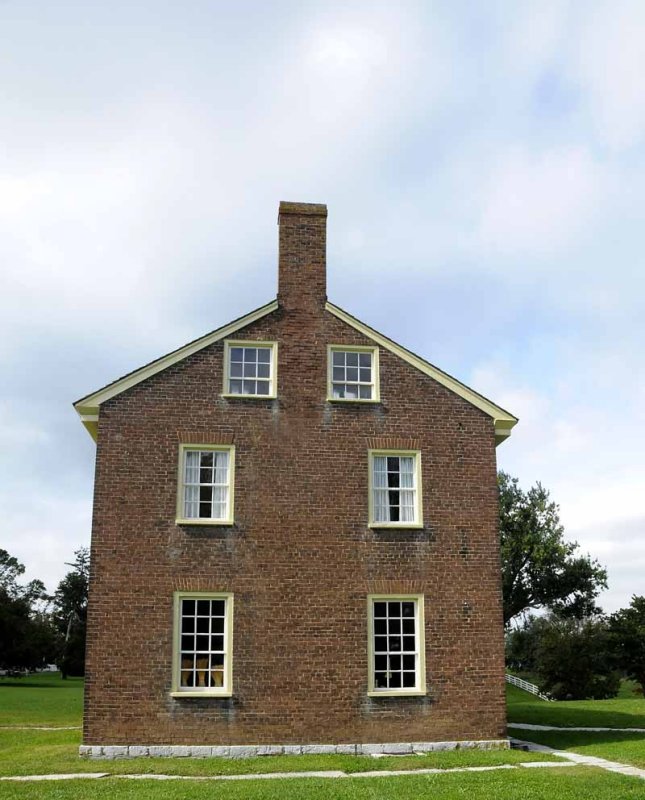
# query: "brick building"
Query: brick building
294,538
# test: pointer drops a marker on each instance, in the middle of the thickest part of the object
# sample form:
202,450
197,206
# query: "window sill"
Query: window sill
196,521
201,694
395,526
397,693
358,401
249,396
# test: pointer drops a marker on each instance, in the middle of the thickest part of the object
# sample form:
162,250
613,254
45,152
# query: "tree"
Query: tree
27,638
575,659
70,614
627,629
539,568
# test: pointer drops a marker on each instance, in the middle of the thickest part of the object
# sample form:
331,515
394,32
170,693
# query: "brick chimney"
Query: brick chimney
302,260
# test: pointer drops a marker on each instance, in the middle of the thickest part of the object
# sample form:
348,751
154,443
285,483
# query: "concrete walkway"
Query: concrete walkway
526,726
587,761
282,775
39,728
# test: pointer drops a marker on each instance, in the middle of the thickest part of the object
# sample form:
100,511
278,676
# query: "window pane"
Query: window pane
395,662
217,642
407,609
249,370
338,359
394,644
380,626
351,359
201,643
380,644
394,626
236,370
203,608
236,354
338,374
264,354
380,663
380,680
365,359
408,643
351,392
235,387
250,354
395,680
203,624
408,625
380,610
365,375
188,643
409,680
365,392
264,370
263,387
187,607
394,609
408,662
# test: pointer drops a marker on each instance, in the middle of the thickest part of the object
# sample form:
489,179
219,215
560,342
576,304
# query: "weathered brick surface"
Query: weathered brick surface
300,557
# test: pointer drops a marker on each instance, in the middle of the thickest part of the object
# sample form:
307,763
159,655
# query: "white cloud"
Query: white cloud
536,203
608,62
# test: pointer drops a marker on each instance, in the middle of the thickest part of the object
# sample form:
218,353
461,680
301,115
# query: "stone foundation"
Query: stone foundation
110,752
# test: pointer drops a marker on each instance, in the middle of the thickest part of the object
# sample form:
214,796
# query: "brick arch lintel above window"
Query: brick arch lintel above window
392,443
396,587
205,437
197,584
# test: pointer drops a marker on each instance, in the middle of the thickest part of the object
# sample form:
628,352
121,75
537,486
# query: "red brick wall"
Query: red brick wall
300,558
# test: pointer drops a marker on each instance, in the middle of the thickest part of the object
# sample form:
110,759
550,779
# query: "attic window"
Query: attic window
353,374
250,369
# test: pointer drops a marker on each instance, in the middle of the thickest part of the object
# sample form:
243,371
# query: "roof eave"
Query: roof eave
504,421
88,407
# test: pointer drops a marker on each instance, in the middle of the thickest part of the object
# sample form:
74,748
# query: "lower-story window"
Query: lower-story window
203,639
396,645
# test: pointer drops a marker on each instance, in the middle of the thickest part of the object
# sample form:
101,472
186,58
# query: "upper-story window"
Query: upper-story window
353,373
250,369
206,482
395,489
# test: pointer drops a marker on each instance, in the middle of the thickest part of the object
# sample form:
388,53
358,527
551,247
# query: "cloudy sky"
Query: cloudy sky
484,169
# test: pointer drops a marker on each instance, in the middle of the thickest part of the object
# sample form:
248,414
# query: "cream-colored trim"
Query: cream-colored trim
89,405
420,688
350,348
503,420
180,519
273,373
227,689
419,487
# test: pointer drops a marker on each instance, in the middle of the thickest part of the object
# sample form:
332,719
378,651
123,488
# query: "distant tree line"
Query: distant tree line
37,628
569,647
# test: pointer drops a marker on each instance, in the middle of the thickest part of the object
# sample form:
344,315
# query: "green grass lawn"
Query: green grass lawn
42,699
626,711
620,712
48,701
42,752
570,783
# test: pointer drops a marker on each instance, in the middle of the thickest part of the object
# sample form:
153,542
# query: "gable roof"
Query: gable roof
88,407
503,419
